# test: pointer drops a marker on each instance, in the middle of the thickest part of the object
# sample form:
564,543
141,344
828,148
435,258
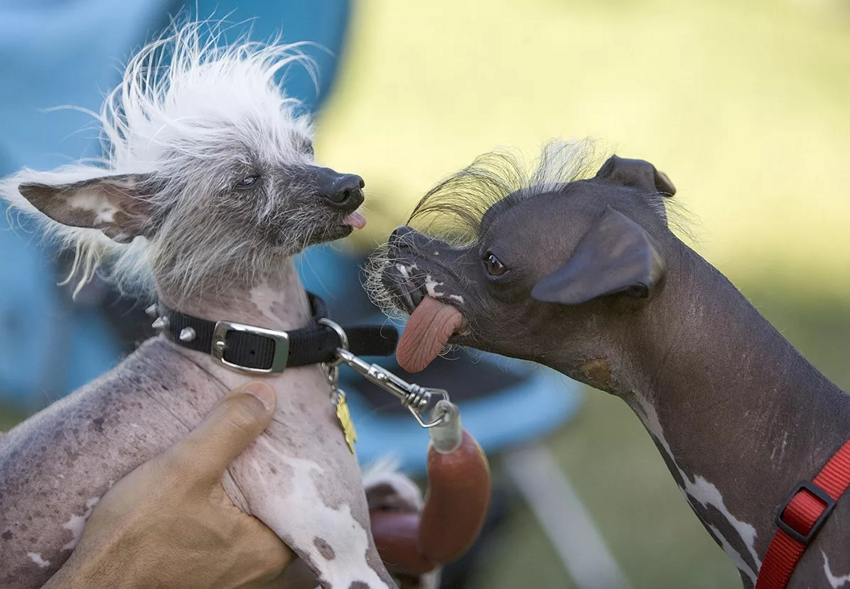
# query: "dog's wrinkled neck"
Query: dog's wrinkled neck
739,416
274,302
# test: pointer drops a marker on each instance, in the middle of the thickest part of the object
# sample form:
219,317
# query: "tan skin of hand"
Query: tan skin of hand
169,523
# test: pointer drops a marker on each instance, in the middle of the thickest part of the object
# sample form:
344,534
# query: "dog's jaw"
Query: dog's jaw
399,282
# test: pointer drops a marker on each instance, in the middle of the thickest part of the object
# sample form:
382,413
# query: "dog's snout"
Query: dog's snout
399,233
345,191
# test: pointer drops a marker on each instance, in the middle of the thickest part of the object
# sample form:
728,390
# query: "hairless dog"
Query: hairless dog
581,272
207,189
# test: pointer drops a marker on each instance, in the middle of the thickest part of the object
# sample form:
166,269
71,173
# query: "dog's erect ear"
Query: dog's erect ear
636,173
112,204
616,255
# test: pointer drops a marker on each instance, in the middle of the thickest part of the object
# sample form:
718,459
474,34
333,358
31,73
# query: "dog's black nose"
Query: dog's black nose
344,191
399,233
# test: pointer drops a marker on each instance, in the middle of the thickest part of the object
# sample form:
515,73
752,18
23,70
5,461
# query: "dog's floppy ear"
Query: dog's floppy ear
636,173
616,255
112,204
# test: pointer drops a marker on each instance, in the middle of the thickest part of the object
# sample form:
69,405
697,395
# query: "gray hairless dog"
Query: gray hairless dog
586,277
207,189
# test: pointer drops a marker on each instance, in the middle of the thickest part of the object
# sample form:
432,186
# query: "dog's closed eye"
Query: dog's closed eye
248,182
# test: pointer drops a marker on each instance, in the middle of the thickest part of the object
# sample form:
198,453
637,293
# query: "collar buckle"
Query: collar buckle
280,339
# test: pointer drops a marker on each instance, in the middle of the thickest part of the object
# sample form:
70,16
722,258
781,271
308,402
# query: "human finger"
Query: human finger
229,428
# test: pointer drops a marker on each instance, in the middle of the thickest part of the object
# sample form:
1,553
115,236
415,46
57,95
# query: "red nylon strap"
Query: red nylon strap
801,513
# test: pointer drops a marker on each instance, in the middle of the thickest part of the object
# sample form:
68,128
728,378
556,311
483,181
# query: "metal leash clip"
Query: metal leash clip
420,401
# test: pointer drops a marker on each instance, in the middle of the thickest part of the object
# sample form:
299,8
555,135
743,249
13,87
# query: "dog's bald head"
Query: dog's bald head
544,256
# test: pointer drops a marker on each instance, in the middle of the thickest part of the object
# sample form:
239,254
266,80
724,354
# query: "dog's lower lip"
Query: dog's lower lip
416,296
407,299
410,296
400,285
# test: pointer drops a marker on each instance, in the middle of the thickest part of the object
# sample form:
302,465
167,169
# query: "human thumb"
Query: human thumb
230,427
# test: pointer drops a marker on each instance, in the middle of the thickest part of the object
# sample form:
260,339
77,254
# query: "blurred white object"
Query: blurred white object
564,518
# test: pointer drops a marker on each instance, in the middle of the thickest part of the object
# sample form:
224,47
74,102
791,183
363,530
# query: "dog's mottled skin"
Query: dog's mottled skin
206,189
588,279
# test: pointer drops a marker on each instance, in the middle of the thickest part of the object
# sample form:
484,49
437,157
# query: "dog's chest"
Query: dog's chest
299,477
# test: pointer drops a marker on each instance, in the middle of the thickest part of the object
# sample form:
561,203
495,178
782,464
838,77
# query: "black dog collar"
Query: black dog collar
257,350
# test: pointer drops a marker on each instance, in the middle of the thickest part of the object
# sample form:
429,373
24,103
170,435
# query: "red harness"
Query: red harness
801,518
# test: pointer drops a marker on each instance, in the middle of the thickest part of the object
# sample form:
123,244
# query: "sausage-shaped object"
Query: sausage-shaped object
455,506
456,501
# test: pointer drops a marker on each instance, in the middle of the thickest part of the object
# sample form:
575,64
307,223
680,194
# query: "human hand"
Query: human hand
170,524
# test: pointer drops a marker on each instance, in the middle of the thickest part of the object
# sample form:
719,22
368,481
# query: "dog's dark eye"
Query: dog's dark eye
494,266
308,149
247,182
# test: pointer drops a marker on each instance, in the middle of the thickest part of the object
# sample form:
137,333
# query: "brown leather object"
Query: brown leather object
455,506
456,502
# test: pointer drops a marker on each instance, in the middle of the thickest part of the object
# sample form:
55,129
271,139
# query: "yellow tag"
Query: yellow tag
344,417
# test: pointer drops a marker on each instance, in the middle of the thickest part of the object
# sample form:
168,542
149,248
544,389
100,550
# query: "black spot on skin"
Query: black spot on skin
358,585
7,535
97,424
324,548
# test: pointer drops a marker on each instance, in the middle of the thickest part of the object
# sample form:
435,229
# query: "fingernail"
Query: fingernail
261,391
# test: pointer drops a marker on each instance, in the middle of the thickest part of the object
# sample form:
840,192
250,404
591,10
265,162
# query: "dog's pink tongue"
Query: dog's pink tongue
355,220
431,325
